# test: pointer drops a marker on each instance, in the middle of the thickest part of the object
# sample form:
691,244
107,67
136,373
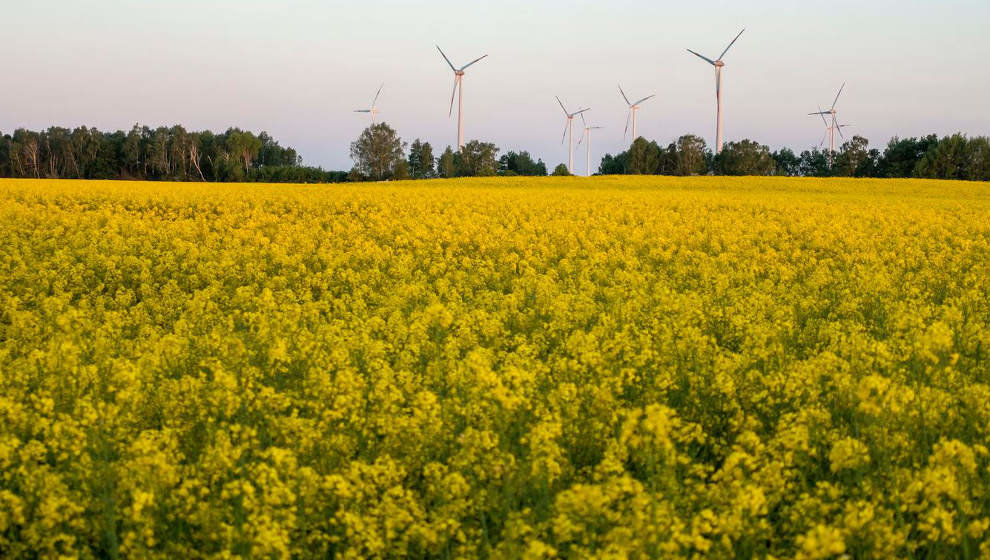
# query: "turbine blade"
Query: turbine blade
581,139
564,135
447,59
624,95
581,111
377,94
644,99
838,94
626,131
702,57
822,143
451,111
841,135
730,44
472,62
562,105
584,122
822,113
362,111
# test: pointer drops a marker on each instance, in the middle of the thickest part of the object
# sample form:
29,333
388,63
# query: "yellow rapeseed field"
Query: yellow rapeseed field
639,367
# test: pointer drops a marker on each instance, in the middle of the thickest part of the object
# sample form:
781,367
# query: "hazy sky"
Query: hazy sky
297,69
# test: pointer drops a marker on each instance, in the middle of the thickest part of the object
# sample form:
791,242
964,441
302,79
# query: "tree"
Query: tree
401,172
614,165
131,150
446,166
946,159
477,159
644,157
560,171
25,149
244,146
978,159
786,162
814,163
521,163
853,154
745,157
377,152
689,155
5,170
902,155
421,160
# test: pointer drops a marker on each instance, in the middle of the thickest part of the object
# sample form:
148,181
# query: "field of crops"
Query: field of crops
618,367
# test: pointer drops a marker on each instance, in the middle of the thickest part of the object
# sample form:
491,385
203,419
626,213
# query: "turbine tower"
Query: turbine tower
832,125
633,107
458,87
373,111
587,132
568,134
718,64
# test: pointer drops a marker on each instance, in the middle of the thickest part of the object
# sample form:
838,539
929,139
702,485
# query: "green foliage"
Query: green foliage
644,157
477,159
163,153
377,152
745,157
786,162
689,155
561,170
446,164
521,163
614,165
853,156
421,161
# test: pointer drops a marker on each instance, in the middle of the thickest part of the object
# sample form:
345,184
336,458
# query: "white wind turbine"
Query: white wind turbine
718,64
633,107
569,135
832,127
373,111
587,132
458,86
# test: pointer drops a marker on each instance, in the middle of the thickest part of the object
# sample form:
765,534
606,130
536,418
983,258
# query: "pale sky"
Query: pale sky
297,69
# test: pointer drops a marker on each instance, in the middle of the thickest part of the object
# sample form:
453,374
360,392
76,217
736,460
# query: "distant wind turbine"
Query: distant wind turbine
458,86
569,135
373,111
633,107
718,64
832,127
587,132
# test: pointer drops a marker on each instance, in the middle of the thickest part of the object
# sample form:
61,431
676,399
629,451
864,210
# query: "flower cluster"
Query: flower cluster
635,367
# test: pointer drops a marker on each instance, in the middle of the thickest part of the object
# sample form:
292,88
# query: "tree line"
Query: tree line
173,153
950,157
163,153
379,154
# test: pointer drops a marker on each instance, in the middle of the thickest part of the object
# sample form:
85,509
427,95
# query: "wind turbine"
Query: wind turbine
633,107
832,127
458,86
718,64
372,110
587,132
567,134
